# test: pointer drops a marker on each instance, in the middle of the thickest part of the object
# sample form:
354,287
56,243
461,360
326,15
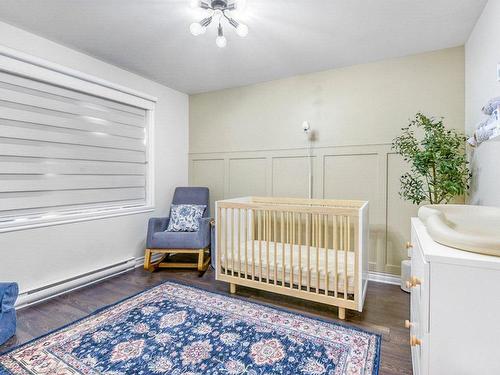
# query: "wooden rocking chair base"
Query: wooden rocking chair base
201,265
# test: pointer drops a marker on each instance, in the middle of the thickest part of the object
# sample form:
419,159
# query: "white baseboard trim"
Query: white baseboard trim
384,278
33,296
139,261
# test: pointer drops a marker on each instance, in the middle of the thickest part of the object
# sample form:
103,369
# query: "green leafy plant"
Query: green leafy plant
439,167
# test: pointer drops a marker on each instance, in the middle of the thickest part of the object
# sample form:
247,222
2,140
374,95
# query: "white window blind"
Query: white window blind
65,152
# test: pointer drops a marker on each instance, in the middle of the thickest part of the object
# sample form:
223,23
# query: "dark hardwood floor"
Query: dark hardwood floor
385,310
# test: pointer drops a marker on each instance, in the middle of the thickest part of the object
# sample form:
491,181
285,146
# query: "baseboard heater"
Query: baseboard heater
30,297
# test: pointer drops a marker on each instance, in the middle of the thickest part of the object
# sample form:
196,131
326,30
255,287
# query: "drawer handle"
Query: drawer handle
408,324
414,341
413,282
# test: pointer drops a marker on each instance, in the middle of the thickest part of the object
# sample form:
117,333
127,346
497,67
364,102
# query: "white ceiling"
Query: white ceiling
287,37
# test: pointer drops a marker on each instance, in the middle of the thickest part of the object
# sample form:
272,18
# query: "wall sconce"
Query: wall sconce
306,126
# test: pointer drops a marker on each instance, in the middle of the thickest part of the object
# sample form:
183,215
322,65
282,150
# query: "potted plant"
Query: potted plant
438,164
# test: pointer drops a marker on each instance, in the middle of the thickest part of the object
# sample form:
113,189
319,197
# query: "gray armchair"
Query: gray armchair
166,243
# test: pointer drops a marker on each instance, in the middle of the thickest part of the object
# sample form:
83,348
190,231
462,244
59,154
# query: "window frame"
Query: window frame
31,67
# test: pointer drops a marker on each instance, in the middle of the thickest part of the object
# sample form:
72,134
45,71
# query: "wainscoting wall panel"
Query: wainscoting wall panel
367,172
290,176
247,176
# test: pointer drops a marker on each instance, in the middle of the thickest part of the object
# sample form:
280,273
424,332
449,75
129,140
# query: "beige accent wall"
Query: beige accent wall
482,54
249,141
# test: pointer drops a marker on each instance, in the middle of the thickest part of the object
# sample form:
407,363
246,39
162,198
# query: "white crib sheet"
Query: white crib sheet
278,249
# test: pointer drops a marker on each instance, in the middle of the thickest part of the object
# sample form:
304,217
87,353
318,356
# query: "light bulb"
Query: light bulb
242,30
197,29
221,41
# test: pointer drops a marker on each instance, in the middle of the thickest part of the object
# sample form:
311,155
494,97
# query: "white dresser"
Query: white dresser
455,309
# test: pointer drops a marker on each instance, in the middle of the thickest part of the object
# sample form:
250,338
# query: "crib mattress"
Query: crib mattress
260,264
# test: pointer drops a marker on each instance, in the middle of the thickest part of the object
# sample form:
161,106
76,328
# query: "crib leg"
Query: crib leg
341,313
232,288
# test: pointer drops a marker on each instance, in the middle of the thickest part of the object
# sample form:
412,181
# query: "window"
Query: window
70,149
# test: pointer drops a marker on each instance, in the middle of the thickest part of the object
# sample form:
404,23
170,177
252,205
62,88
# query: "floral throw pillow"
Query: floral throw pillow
185,217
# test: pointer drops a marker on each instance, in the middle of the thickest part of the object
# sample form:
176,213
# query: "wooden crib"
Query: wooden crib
314,249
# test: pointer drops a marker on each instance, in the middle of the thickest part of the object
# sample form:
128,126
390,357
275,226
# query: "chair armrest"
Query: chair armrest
204,230
156,224
205,223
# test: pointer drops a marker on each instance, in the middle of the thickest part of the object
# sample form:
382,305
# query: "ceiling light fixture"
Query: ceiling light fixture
221,10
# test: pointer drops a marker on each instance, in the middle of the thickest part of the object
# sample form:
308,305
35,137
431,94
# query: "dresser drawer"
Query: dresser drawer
419,306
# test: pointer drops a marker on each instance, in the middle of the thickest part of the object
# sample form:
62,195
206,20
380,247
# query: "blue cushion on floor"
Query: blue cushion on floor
8,296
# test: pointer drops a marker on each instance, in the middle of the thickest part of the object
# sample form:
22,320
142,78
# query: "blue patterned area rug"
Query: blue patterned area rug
176,329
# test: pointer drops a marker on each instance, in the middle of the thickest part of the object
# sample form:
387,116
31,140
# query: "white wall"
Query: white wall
249,141
482,54
42,256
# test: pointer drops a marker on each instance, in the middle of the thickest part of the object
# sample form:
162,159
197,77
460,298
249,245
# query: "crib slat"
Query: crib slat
313,238
245,226
253,227
326,255
239,243
288,227
275,235
300,251
308,241
318,244
349,233
346,249
336,252
288,241
342,242
282,249
253,244
226,260
232,241
259,234
263,239
268,219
